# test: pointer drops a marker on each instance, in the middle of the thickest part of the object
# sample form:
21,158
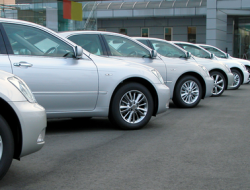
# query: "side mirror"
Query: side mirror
153,54
227,56
78,52
212,56
188,55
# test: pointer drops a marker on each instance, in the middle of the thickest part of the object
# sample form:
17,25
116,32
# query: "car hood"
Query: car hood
245,62
209,61
113,63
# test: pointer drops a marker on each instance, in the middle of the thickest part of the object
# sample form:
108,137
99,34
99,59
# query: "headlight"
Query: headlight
205,69
23,88
158,75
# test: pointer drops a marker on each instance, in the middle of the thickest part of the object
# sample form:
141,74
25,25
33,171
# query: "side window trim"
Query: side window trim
7,45
106,47
103,44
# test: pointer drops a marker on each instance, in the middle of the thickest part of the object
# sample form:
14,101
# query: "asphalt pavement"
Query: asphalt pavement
207,147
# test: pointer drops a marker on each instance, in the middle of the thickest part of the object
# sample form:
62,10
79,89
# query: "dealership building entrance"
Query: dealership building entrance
222,23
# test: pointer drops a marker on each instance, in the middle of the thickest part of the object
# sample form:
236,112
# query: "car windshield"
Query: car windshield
167,50
215,51
120,46
196,51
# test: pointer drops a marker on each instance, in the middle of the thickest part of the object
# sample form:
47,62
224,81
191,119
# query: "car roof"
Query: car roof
71,33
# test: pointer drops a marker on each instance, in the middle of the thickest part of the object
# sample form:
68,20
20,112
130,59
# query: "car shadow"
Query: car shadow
56,126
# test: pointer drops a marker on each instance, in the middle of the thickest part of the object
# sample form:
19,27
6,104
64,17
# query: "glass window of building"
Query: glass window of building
123,31
101,29
168,34
145,32
192,34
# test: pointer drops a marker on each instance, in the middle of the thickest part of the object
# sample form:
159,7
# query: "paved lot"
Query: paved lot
207,147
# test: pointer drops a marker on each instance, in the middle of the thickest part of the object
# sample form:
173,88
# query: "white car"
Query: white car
223,55
22,121
188,82
221,73
238,69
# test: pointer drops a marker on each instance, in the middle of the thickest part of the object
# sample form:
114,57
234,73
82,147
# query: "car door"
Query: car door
60,82
123,48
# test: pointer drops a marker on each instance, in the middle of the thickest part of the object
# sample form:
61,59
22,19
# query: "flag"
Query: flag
72,10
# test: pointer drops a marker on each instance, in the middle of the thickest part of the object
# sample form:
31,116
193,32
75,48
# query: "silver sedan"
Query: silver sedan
22,121
70,83
187,80
238,69
221,55
221,73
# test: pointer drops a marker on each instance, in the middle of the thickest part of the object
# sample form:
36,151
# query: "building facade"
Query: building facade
222,23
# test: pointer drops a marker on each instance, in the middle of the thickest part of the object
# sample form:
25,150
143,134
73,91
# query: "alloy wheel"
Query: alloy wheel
218,84
236,79
190,92
133,106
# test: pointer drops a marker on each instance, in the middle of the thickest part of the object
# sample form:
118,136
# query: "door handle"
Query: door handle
23,64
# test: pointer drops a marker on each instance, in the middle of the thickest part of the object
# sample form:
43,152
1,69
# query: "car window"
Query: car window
120,46
167,49
143,41
196,51
215,51
89,42
26,40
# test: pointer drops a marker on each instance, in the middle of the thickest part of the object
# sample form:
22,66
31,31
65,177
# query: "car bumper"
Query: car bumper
209,86
33,122
230,81
163,97
245,77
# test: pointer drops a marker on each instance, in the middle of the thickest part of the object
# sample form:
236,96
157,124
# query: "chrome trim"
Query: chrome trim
72,92
67,92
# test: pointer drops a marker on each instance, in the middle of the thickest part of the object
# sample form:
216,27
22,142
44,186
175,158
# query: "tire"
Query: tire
219,83
125,112
6,147
237,79
183,87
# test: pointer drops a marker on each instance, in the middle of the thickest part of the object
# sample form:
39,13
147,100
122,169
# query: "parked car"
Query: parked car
239,70
223,55
188,82
220,72
70,83
22,121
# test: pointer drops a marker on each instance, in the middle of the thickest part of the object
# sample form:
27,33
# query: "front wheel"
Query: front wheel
188,92
6,147
219,83
237,79
131,107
